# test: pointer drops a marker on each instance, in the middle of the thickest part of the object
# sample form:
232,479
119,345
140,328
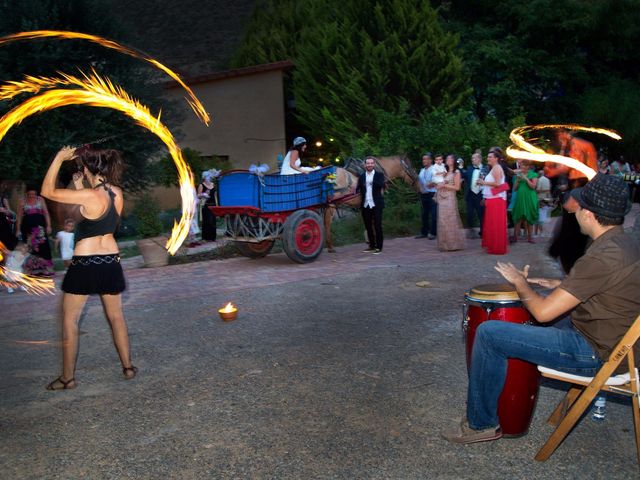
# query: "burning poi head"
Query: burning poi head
524,150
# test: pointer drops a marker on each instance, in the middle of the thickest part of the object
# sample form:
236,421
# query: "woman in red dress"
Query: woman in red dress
494,228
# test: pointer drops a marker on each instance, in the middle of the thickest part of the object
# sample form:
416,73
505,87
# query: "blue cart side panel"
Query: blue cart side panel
293,192
275,193
239,189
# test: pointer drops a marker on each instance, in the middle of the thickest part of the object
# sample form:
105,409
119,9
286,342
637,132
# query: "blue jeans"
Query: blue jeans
559,347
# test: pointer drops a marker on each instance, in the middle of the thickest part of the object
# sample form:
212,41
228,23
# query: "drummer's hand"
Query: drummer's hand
545,282
510,273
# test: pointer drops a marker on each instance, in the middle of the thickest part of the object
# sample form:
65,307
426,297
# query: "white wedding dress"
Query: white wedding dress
286,166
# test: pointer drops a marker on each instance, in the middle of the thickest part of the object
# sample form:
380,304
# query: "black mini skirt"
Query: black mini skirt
94,274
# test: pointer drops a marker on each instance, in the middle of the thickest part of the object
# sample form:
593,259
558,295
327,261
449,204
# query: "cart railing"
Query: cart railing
275,193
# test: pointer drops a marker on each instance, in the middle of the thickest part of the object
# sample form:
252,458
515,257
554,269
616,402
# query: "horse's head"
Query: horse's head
399,167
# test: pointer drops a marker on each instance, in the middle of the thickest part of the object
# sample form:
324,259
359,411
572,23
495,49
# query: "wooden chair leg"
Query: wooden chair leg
574,413
563,407
636,422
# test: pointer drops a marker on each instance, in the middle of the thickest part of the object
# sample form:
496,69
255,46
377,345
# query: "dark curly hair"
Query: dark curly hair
107,163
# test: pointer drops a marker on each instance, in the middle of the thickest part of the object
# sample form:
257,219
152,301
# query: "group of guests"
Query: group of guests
491,192
622,168
25,235
439,181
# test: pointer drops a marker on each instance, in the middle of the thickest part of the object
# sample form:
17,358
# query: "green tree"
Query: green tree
615,105
459,132
27,148
372,55
537,58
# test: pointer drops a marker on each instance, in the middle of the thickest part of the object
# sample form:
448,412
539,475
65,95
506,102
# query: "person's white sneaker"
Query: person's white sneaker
9,290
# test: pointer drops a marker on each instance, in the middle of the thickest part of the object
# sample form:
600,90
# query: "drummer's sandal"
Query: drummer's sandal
464,434
60,384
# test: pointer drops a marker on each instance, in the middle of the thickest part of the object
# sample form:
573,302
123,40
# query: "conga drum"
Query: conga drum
517,401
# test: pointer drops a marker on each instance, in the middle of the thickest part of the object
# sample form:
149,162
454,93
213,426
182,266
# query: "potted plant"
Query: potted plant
149,227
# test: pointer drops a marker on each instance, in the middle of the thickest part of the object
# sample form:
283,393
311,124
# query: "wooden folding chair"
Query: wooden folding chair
579,397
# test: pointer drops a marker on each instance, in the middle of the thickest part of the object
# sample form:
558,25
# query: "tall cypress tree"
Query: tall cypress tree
355,57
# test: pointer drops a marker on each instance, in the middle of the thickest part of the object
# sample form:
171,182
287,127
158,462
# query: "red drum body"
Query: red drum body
518,398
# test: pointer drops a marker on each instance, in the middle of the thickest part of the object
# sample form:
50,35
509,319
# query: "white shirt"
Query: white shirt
543,187
486,190
368,197
425,178
435,169
475,188
66,244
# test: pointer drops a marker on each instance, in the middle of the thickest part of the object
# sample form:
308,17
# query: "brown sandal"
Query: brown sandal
65,385
127,375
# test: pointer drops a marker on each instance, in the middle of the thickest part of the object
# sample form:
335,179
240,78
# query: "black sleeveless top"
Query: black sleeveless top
210,191
104,225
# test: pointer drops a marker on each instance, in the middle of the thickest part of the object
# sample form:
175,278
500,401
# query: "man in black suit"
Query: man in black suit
473,193
371,186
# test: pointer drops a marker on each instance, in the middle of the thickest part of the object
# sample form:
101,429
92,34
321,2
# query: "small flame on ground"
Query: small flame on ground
228,308
524,150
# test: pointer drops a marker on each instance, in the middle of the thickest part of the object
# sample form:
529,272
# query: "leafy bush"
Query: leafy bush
147,215
402,210
164,171
458,132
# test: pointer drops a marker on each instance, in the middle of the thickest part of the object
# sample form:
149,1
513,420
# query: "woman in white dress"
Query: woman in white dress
291,163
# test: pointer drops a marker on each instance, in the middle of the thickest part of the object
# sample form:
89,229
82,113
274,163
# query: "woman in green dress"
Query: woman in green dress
525,209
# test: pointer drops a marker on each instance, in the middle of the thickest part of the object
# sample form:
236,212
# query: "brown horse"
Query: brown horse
347,181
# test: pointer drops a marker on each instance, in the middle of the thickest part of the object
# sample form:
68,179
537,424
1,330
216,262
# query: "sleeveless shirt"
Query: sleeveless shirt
103,225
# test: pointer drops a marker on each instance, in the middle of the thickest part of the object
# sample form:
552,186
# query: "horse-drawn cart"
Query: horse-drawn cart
259,209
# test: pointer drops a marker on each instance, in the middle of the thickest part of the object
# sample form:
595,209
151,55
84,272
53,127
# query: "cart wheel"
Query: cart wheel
255,250
303,236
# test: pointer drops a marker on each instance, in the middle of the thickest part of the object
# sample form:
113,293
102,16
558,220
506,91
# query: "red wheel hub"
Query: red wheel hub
308,236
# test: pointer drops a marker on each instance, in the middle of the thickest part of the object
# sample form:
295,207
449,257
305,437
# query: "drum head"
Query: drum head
494,291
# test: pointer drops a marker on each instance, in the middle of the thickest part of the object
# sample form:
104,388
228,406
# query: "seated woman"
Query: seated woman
291,163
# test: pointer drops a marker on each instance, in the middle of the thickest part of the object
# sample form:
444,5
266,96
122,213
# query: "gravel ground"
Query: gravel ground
344,368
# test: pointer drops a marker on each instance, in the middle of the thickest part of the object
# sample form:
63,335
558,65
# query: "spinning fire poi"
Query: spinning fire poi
94,90
578,161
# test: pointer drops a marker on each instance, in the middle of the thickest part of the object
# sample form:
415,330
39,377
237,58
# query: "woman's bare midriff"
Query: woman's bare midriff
100,245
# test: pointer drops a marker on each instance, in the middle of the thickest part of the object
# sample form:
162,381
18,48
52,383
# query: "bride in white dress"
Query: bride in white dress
291,163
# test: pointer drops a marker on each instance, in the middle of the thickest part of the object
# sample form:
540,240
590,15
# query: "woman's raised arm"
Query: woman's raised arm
63,195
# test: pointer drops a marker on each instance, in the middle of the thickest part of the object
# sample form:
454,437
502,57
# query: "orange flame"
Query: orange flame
527,151
228,308
13,279
193,101
97,91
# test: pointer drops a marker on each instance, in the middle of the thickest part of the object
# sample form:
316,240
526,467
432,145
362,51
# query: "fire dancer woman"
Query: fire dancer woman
95,266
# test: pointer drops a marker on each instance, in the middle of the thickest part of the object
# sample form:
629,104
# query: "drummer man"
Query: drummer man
600,291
